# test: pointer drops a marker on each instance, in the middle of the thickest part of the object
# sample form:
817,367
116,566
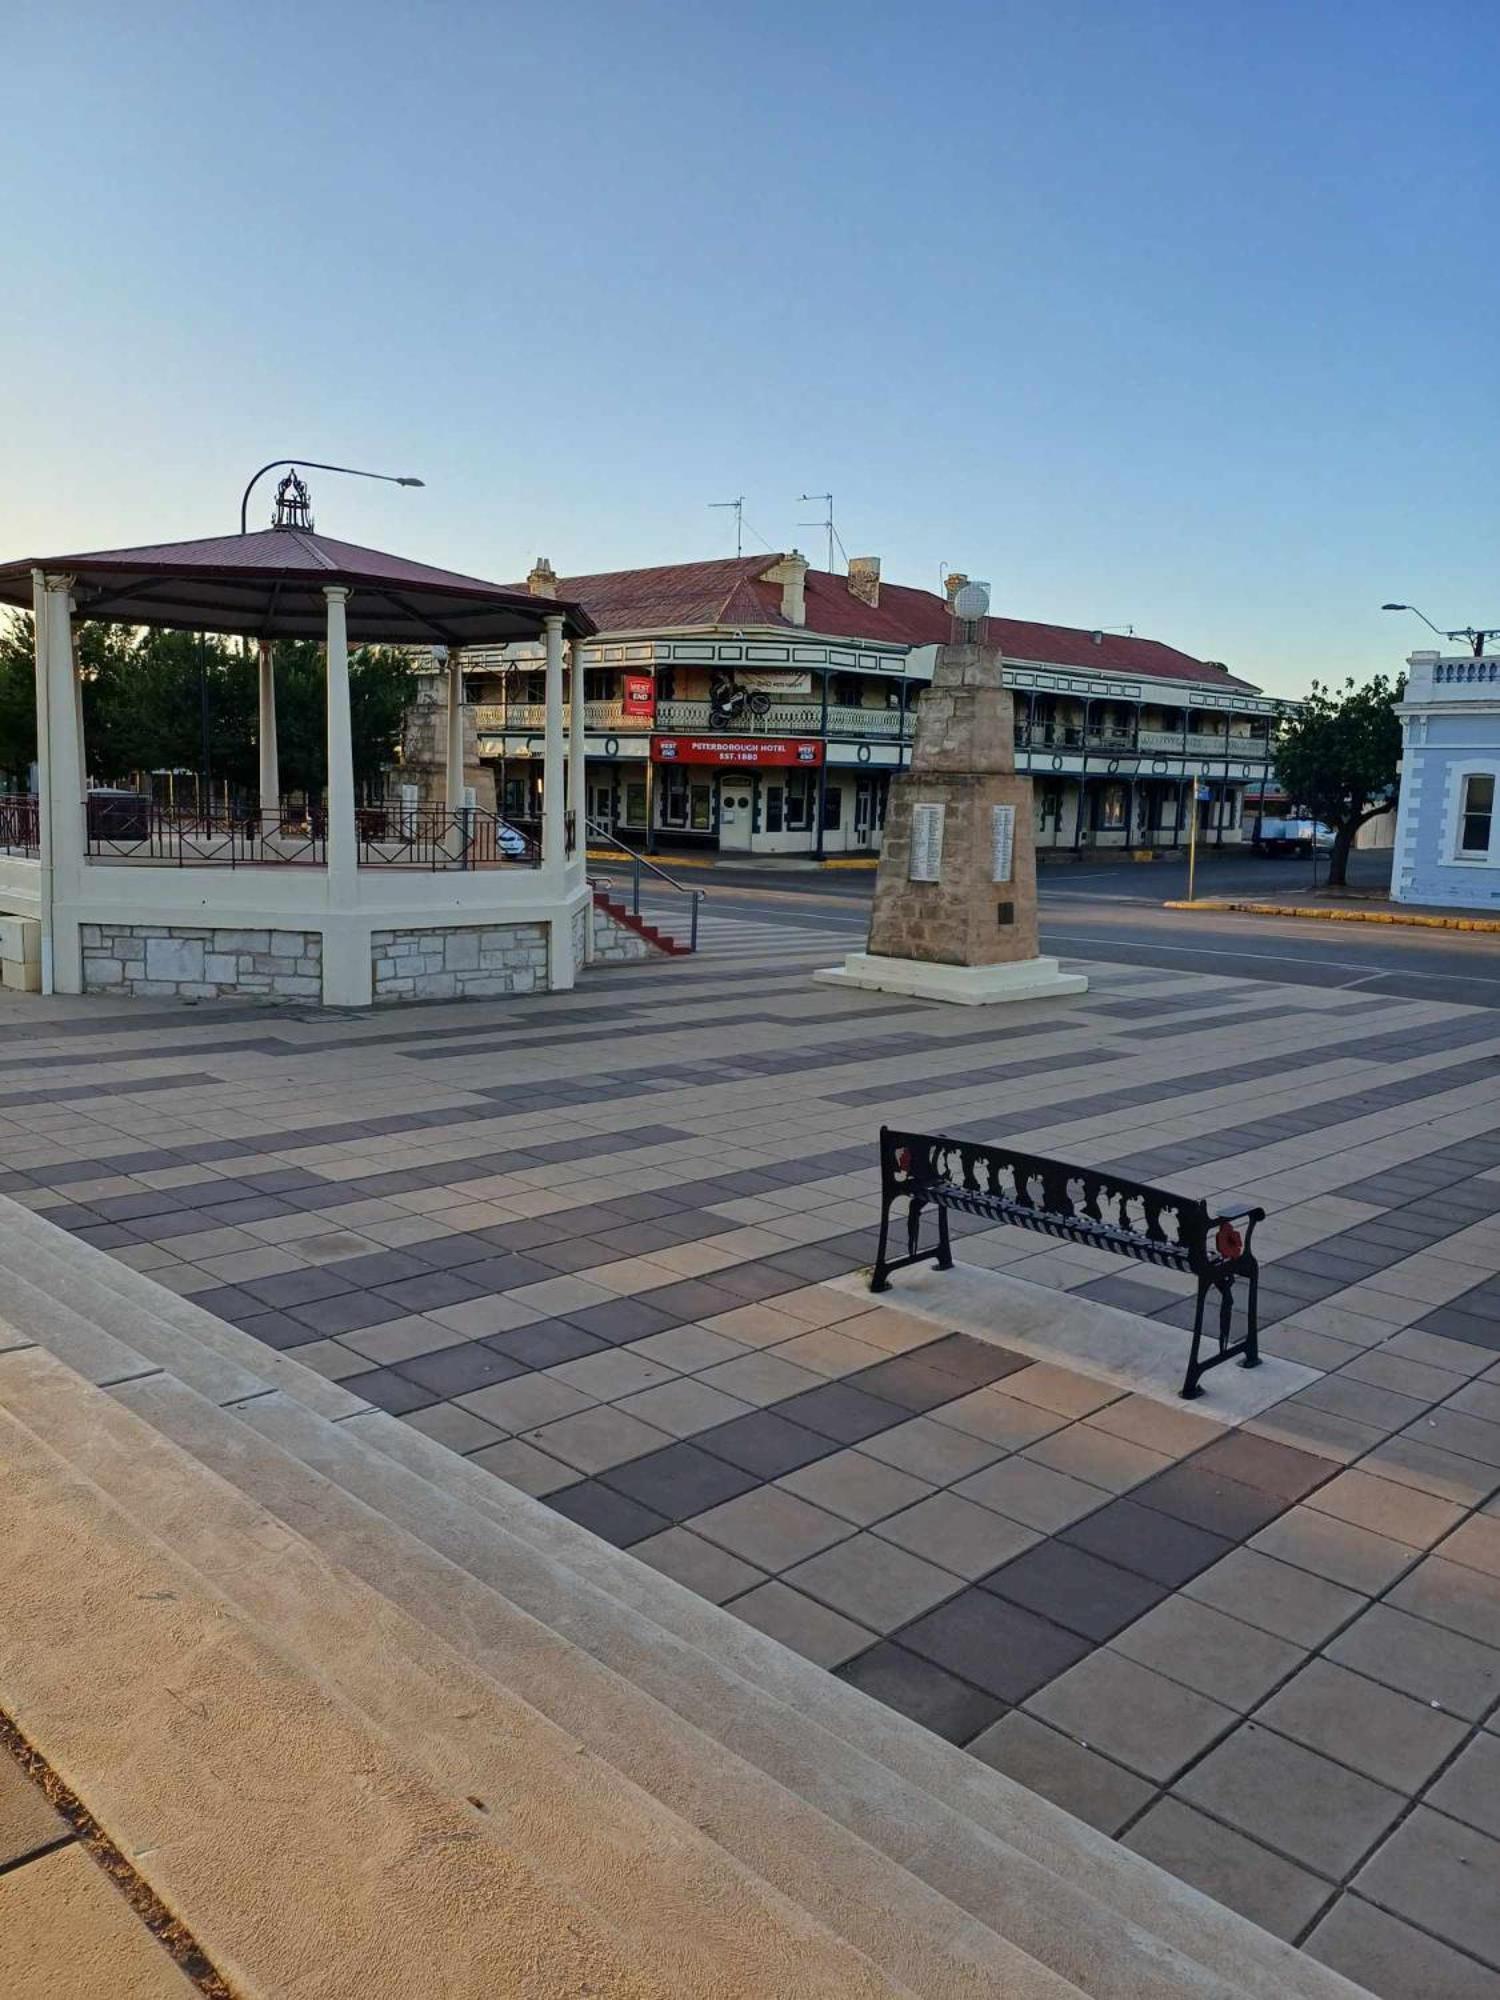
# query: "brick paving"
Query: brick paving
587,1242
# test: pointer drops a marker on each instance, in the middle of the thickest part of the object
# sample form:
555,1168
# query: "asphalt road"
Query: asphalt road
1113,913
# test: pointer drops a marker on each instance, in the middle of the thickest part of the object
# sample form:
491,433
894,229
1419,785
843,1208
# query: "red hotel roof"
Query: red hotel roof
734,591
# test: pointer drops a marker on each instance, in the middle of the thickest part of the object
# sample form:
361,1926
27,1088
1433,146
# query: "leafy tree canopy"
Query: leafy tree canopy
143,702
1338,758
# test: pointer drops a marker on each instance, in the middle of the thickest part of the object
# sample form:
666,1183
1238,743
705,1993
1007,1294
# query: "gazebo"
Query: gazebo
339,907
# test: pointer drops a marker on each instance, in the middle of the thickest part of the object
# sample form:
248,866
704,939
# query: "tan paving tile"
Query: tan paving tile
1440,1875
1335,1549
957,1534
1136,1716
1207,1650
1476,1543
856,1486
66,1933
1292,1603
770,1528
712,1572
999,1419
1144,1421
1386,1735
1060,1390
1094,1455
1386,1508
798,1621
594,1440
27,1821
521,1464
1032,1494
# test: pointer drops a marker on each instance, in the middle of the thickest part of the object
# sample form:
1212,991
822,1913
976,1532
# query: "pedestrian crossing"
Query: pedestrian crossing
723,932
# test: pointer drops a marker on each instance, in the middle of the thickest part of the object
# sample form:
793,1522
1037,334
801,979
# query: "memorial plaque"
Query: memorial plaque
1003,838
926,844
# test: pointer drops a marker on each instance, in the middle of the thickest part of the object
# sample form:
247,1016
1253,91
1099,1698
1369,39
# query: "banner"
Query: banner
638,695
754,752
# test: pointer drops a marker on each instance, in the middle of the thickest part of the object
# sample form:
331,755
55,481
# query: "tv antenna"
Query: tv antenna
739,520
826,522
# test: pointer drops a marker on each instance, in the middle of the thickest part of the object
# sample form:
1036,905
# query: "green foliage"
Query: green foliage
144,695
1338,758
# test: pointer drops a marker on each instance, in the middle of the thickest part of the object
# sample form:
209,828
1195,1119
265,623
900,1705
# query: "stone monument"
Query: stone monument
424,748
955,896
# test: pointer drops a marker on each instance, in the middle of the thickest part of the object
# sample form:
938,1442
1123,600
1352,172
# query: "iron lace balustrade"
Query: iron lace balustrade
20,824
130,828
439,837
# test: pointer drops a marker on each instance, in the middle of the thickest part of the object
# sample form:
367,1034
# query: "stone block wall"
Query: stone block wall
615,943
182,962
580,928
463,963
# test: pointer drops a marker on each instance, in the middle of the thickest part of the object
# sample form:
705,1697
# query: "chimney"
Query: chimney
790,571
864,579
953,583
542,582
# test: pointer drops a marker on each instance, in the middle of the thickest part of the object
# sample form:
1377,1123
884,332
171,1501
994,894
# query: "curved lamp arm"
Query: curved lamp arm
317,465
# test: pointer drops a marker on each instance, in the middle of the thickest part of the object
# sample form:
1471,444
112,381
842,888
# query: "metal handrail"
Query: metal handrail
596,830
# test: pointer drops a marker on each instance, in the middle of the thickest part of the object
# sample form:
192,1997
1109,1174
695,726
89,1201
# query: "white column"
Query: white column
44,785
553,808
270,765
343,846
63,780
577,792
455,784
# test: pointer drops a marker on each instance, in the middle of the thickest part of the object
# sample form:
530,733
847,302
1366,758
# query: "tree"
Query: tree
1339,757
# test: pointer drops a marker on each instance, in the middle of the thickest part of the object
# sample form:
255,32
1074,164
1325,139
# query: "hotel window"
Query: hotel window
801,800
1476,814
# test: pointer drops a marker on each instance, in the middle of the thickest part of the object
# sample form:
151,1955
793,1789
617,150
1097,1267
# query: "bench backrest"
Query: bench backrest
917,1163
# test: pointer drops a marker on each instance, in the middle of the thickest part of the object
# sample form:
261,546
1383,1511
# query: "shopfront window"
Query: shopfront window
833,809
1111,808
687,802
801,801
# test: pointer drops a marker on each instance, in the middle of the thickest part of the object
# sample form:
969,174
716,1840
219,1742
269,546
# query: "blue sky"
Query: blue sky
1173,314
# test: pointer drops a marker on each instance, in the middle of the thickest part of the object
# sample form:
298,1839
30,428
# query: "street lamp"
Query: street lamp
1475,637
354,472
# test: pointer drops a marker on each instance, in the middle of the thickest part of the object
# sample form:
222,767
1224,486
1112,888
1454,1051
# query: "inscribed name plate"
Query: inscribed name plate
1003,839
926,844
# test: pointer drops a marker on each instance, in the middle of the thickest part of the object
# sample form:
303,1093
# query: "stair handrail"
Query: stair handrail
596,830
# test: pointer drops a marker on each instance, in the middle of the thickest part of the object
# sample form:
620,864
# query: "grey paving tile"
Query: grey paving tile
611,1515
1032,1494
857,1487
770,1528
931,1451
596,1440
1385,1955
677,1480
1336,1549
447,1424
713,1572
1304,1806
965,1539
1371,1728
1271,1891
1154,1545
994,1645
1237,1664
1417,1658
1469,1790
809,1628
1441,1875
524,1403
765,1443
1137,1717
921,1689
1292,1603
1078,1779
1452,1594
521,1464
872,1581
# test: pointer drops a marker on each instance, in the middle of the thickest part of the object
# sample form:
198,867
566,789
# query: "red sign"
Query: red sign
754,752
638,695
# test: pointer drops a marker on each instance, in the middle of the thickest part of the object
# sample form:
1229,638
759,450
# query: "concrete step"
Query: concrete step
306,1849
711,1668
475,1732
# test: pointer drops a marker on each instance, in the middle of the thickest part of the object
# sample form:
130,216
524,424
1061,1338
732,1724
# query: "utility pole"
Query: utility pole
739,520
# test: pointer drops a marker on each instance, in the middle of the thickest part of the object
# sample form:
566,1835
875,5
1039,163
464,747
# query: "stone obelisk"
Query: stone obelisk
955,896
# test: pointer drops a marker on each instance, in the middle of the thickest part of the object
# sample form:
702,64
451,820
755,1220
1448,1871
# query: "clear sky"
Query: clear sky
1184,314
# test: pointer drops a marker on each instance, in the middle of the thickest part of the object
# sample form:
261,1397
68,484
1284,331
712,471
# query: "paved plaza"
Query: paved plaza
602,1243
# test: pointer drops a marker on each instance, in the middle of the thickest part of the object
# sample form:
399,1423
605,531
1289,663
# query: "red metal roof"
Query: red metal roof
734,591
270,584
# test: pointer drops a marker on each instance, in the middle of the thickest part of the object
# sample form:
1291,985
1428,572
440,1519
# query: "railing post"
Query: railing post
693,936
635,885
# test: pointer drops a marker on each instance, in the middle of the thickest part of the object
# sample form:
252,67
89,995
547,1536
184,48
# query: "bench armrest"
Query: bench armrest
1234,1214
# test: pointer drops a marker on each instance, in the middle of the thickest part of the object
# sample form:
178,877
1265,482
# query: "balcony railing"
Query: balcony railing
607,717
20,824
788,719
135,831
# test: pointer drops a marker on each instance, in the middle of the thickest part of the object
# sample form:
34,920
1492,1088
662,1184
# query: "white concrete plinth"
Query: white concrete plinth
964,985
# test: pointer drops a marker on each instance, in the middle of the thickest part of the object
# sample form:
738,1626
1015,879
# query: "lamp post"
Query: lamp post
1475,637
316,465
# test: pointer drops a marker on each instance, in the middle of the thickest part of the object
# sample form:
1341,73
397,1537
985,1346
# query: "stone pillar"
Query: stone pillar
955,893
553,803
270,765
453,790
577,766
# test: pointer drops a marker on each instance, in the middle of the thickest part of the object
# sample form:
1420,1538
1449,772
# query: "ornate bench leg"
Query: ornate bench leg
945,1248
1190,1387
1252,1321
879,1279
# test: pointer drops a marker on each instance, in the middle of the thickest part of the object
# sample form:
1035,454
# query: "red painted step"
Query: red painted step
673,947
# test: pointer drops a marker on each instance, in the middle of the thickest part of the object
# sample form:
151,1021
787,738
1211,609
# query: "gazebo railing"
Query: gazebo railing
20,823
135,830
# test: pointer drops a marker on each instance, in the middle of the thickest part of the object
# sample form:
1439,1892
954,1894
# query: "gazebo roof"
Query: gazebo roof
270,585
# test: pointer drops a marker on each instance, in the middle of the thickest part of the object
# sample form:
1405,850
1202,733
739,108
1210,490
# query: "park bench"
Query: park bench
1081,1205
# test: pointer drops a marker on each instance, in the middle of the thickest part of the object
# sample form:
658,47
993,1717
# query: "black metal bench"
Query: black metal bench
1080,1204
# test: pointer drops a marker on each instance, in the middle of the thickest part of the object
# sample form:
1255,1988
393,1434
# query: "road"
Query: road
1113,912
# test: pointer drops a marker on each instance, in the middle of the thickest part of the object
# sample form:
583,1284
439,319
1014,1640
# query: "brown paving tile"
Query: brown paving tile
1205,1500
1335,1549
1442,1876
1060,1390
1074,1589
997,1646
1154,1545
809,1628
1276,1596
1387,1736
858,1487
27,1822
1137,1717
1032,1494
1080,1781
1235,1871
1097,1457
1475,1543
1421,1659
956,1534
1463,1599
1469,1789
765,1443
921,1689
1304,1806
1278,1469
1207,1650
1390,1958
677,1481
